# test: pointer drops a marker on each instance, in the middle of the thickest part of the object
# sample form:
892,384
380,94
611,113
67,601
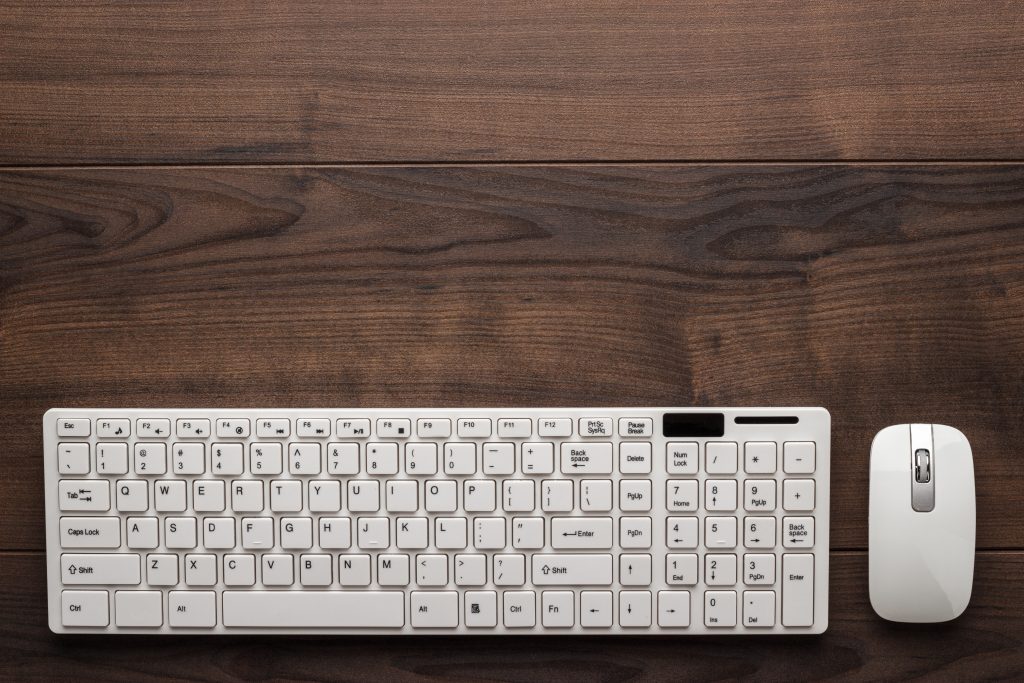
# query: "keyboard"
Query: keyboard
461,520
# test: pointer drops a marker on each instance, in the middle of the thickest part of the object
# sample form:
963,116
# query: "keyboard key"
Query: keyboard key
759,457
596,426
759,569
474,428
97,570
798,494
150,458
557,426
635,570
635,495
635,609
499,458
798,532
759,495
720,457
226,458
112,458
596,609
635,532
681,495
635,457
138,609
682,457
682,532
798,457
558,609
353,428
84,608
343,458
192,609
460,458
470,570
719,532
572,570
720,570
797,589
720,609
636,427
673,609
73,458
74,426
528,533
515,428
481,609
84,495
394,428
312,428
759,609
304,459
434,428
720,494
382,458
538,457
519,609
155,428
582,532
434,609
188,458
265,459
596,495
587,458
681,570
233,428
192,428
314,609
759,532
90,532
273,427
556,495
113,428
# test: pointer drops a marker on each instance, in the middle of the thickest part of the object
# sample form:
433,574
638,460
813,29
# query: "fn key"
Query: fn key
797,589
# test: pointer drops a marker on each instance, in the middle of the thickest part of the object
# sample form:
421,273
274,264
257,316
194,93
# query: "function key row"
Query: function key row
356,428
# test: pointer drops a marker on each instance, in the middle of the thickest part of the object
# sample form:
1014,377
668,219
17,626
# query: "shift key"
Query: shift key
100,570
572,570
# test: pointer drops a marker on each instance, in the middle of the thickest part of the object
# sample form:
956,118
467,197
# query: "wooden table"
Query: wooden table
530,203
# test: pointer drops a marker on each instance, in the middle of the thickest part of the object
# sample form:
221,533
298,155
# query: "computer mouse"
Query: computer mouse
921,517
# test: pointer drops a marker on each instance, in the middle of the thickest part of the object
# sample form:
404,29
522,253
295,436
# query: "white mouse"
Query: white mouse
921,515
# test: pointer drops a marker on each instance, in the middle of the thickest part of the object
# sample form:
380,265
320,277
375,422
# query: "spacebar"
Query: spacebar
314,609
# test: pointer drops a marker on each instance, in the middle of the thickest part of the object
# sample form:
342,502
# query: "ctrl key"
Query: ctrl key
84,608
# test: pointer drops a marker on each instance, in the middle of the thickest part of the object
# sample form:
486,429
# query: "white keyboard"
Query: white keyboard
596,520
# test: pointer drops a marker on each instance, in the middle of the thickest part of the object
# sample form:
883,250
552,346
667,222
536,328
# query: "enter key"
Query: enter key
582,532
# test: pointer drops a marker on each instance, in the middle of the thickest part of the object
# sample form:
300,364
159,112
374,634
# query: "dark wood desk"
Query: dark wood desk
373,204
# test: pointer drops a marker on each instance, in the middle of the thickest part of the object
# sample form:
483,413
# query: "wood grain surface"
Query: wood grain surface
985,643
182,224
323,81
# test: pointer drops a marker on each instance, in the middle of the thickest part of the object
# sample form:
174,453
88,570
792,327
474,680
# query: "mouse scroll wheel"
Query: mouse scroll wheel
922,466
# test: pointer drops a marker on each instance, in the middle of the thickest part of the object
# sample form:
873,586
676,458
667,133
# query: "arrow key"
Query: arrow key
635,609
635,570
595,609
673,609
